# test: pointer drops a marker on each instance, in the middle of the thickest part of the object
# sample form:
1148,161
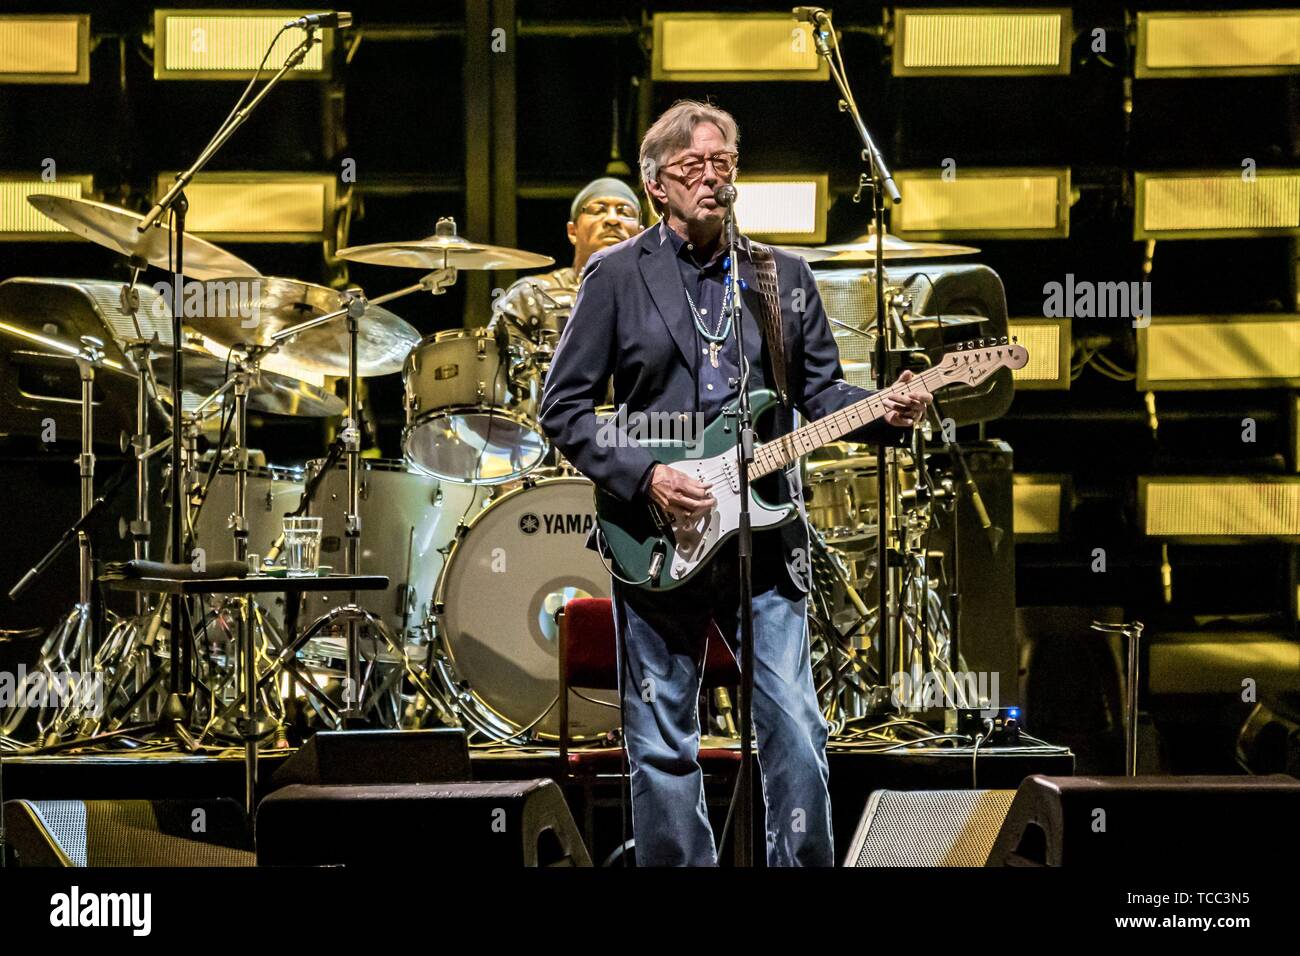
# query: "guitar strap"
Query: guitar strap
769,294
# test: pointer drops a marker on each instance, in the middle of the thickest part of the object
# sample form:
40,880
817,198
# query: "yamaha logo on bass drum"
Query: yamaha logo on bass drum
557,523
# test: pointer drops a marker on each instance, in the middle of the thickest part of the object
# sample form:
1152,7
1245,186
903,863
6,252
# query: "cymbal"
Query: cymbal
863,249
204,372
274,304
268,391
808,253
117,229
444,250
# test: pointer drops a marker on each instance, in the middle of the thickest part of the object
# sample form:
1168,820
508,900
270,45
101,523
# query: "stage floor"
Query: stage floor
853,776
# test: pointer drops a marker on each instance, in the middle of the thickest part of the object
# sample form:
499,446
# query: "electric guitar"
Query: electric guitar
659,553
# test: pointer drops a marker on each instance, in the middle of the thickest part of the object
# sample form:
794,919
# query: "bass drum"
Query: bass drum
408,521
520,560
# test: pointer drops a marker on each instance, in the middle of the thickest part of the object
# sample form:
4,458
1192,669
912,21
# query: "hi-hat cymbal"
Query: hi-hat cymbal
863,249
268,391
273,304
117,229
444,250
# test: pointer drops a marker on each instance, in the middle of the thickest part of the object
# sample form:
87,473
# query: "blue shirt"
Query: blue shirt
708,285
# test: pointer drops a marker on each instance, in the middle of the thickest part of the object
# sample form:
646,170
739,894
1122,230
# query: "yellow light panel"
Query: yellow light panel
992,41
1219,506
1217,43
228,45
700,47
1049,345
20,220
986,203
1182,353
1209,205
258,207
45,48
783,208
1037,506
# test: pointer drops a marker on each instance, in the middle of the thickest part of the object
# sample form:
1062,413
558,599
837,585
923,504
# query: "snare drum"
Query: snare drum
471,412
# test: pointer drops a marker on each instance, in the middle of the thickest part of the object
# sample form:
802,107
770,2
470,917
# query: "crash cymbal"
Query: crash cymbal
272,304
863,249
808,253
444,250
268,391
117,229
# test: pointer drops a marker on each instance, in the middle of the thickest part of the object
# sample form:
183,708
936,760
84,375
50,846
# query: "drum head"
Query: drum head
475,446
520,561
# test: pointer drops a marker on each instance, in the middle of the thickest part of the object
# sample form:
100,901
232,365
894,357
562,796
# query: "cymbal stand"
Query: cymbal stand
67,661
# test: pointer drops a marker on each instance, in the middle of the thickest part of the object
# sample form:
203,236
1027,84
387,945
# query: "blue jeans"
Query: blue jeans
663,634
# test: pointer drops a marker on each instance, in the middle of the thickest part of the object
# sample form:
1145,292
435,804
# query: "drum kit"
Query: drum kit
481,527
466,634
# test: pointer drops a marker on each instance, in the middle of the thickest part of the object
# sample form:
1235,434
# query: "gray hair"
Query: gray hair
674,131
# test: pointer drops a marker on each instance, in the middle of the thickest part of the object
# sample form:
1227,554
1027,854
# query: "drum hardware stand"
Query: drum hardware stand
1132,633
71,646
880,182
177,709
436,282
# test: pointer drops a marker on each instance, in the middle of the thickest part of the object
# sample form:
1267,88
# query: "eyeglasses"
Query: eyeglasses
622,210
724,164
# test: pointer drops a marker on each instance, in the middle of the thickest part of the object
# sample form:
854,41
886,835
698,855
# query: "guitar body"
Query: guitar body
661,556
633,532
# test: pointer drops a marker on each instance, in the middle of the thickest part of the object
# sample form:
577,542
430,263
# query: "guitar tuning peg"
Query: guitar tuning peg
1004,340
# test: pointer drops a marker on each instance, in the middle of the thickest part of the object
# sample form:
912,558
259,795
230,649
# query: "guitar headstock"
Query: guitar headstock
972,362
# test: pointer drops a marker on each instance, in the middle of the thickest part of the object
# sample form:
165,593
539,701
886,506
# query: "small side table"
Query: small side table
291,588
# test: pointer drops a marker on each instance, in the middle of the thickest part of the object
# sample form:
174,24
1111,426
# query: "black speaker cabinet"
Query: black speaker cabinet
1165,821
394,826
436,755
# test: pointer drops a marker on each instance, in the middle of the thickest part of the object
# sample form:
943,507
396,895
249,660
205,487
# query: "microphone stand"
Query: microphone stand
175,714
745,561
881,183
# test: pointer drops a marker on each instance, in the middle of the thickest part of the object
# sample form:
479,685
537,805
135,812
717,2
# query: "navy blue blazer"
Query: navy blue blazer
631,321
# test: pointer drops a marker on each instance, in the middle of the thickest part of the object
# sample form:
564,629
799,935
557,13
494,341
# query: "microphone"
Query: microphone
813,15
339,19
725,195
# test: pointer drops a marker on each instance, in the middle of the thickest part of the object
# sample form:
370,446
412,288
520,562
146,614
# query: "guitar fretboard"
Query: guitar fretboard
779,453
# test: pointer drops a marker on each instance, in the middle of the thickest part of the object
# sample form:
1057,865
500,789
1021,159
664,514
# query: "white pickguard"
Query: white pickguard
697,542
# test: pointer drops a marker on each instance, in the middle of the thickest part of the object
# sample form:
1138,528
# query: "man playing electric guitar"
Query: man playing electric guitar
654,314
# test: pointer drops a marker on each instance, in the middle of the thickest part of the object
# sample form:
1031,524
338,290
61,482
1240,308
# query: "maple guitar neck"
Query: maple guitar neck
781,452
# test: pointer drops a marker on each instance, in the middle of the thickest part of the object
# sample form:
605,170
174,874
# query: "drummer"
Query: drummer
604,213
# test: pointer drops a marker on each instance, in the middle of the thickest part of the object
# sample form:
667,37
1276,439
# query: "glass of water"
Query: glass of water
302,546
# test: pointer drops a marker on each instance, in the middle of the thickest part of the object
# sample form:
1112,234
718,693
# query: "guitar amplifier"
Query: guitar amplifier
849,296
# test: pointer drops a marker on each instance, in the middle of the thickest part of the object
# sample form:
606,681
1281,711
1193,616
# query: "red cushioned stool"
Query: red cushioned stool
588,654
